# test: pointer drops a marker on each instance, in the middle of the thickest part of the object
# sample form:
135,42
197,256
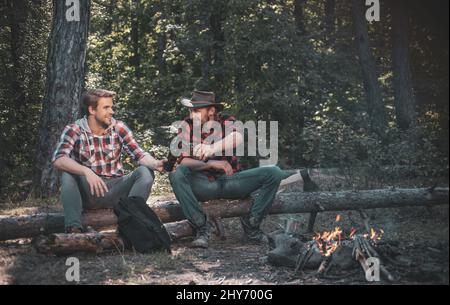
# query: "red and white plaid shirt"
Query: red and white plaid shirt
187,136
99,153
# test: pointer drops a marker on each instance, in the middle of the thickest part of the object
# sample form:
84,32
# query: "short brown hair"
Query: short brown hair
90,98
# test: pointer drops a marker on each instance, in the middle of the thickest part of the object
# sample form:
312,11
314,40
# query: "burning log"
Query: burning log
325,265
359,256
305,256
12,227
371,252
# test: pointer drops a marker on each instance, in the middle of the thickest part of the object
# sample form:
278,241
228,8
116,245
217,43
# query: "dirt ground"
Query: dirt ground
421,234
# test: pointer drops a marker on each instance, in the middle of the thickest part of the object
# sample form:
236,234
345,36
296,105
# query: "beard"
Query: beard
104,122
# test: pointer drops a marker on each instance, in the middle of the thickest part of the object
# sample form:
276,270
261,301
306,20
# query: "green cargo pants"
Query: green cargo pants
191,187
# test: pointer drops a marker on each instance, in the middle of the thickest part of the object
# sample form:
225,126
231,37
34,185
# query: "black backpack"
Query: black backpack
140,227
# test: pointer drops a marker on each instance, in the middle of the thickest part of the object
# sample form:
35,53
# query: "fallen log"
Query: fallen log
12,227
97,242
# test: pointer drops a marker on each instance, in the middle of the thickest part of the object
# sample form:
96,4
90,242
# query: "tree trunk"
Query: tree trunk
135,59
375,105
64,85
216,23
300,16
108,30
330,17
161,41
405,103
12,227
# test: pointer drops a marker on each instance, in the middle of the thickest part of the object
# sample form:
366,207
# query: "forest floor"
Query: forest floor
420,233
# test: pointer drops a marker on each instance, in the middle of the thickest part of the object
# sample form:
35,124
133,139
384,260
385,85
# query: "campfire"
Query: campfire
343,250
363,247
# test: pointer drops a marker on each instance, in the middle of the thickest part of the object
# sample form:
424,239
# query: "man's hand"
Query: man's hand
96,184
153,163
221,165
203,151
159,165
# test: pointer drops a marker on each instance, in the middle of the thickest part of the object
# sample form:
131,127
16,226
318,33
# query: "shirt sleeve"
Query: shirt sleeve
229,121
66,143
185,135
130,145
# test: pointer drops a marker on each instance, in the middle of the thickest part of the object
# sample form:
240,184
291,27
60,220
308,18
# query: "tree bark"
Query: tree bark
97,242
300,16
216,23
12,227
330,18
64,85
375,105
161,61
135,59
405,103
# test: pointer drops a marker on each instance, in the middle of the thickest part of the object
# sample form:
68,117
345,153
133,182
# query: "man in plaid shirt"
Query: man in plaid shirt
204,174
89,155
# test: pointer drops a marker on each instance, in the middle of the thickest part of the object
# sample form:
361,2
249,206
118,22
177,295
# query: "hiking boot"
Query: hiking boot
308,184
252,231
202,236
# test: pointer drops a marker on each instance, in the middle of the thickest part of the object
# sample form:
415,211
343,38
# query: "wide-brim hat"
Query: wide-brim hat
201,99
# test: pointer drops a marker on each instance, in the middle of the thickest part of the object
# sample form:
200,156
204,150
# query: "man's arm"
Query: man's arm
204,151
96,184
135,151
197,165
69,165
232,140
152,163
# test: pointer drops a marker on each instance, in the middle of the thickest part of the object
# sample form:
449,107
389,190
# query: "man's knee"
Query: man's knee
180,173
146,175
68,180
275,172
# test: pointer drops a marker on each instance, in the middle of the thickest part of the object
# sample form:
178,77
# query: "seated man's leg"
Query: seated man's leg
266,181
138,183
71,200
76,195
190,187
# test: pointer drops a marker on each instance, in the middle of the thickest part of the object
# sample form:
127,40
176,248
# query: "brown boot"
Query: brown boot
202,236
252,231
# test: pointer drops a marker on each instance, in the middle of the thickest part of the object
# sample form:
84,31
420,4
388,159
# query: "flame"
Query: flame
328,241
352,233
374,235
338,218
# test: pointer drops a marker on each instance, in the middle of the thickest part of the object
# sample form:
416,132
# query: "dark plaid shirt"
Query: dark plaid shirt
187,135
99,153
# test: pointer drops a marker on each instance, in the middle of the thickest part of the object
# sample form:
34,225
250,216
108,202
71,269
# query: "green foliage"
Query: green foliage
24,28
257,60
379,158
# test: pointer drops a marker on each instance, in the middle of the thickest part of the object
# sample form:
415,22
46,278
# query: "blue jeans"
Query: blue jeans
76,195
191,187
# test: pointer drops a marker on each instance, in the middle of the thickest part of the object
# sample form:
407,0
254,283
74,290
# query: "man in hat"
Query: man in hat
205,173
89,155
